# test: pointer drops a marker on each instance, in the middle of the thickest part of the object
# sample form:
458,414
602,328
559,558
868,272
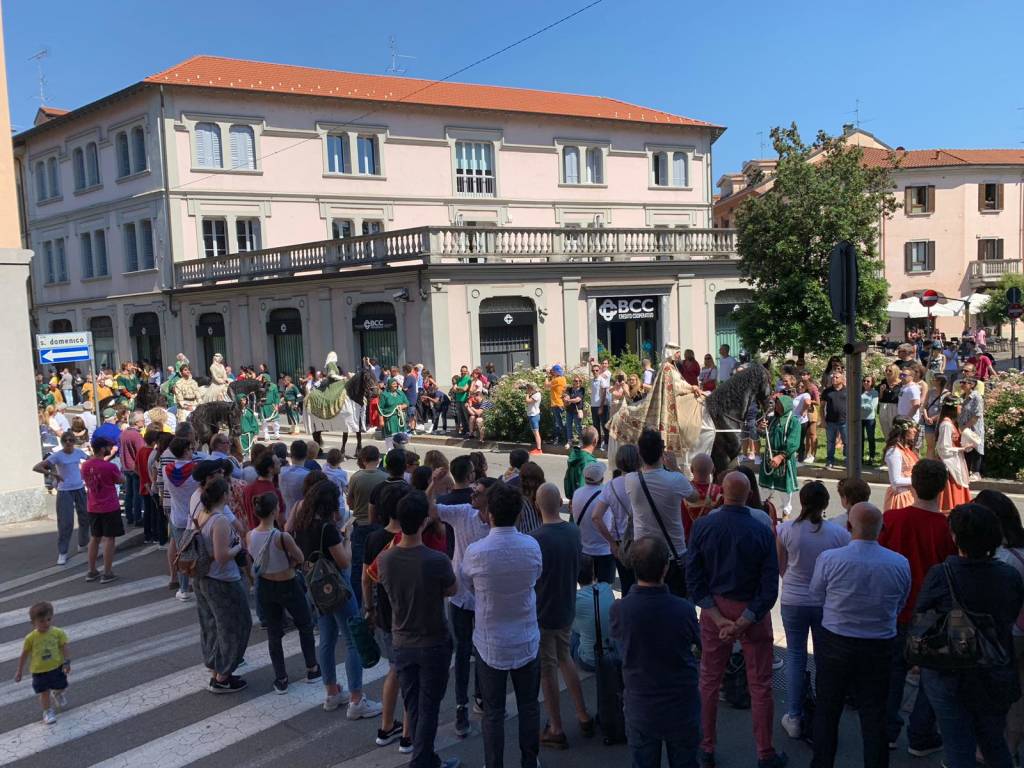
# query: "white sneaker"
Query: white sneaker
331,703
974,477
366,707
183,596
61,559
49,716
61,698
791,725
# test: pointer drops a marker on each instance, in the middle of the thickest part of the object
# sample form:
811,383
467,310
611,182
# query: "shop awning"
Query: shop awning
911,308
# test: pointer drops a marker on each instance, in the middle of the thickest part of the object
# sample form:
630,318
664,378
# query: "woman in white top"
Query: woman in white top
799,544
614,498
533,415
900,457
951,453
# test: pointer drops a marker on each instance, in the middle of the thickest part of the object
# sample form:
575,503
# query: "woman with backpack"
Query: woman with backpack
971,703
275,555
316,532
224,617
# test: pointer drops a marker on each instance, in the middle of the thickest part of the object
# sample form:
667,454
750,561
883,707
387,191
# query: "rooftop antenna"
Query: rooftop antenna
760,135
38,57
395,68
858,121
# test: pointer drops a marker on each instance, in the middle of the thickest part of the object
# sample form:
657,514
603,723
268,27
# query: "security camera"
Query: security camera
402,295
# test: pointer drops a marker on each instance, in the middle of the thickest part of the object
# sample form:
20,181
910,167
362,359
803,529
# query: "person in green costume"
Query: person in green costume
292,395
127,384
782,442
392,404
269,409
250,425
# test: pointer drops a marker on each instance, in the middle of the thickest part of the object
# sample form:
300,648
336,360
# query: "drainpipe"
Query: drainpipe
167,197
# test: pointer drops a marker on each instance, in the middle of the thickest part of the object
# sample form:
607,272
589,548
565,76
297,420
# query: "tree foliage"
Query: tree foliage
822,194
995,310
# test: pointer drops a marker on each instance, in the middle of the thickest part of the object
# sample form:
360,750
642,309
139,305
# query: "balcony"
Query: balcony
459,245
989,272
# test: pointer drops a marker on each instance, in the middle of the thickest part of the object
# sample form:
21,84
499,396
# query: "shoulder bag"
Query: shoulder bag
583,511
327,587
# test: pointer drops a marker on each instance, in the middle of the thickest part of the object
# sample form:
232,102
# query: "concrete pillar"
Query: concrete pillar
440,359
684,289
571,316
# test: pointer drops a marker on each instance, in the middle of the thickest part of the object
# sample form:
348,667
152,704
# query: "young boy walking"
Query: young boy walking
47,647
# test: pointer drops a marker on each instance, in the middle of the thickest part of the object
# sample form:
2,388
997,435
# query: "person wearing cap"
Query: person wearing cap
582,505
555,384
101,477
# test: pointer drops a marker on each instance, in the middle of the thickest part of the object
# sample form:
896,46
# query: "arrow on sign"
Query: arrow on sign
68,354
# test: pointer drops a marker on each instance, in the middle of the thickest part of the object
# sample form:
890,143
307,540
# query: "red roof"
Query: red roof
941,158
53,111
236,74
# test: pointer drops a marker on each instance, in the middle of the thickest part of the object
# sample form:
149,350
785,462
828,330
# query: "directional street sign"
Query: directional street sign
57,348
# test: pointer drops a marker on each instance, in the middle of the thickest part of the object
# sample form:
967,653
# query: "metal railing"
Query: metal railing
447,245
990,270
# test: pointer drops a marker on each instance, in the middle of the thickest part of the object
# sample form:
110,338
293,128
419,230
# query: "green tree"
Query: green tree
822,193
995,310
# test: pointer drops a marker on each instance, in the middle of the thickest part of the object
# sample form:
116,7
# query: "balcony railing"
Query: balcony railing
454,245
991,270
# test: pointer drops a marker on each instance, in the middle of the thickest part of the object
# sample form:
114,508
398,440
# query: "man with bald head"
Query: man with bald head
862,588
732,573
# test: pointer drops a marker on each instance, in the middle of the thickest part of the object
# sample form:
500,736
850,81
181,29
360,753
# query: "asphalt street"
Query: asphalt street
137,694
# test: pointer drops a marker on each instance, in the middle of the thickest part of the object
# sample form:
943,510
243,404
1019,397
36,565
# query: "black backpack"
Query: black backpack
327,587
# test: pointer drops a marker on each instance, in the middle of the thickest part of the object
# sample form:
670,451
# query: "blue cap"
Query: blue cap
557,369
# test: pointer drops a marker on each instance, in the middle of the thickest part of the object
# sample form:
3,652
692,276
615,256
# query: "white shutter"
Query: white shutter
54,176
243,150
41,183
78,163
62,262
92,163
86,241
208,151
146,236
124,160
99,249
571,165
51,273
138,149
680,172
595,173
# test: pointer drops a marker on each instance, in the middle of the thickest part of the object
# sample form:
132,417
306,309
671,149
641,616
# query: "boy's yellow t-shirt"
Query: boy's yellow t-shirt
46,649
557,391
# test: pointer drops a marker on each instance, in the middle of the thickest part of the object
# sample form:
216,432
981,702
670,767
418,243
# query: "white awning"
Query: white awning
910,307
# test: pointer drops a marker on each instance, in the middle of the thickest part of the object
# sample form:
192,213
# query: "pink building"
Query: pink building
275,212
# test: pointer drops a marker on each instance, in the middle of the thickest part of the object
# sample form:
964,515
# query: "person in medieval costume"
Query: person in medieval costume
250,425
186,392
393,405
218,389
270,408
180,361
782,443
328,400
127,384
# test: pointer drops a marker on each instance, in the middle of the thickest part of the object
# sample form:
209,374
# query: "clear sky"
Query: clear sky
935,73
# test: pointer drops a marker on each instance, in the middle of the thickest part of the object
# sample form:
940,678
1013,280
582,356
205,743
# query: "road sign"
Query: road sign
929,298
842,281
55,348
1013,295
1015,311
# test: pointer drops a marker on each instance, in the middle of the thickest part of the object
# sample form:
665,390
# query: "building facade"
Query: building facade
275,213
960,227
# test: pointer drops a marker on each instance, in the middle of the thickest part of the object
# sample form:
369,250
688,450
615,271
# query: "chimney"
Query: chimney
847,129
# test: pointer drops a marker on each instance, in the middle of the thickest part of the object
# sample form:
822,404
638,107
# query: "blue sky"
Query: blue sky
943,73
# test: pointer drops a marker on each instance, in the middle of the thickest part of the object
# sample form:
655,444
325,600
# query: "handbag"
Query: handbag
954,640
327,587
362,636
676,576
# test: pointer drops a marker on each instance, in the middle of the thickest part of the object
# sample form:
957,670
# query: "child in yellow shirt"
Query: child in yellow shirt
47,647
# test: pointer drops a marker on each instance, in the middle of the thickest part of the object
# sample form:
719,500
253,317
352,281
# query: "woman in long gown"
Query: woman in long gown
392,404
900,457
947,446
782,442
218,389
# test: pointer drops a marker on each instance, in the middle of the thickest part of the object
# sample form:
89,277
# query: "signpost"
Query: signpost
843,280
60,349
1014,309
929,298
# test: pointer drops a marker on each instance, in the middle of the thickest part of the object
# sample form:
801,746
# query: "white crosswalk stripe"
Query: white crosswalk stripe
100,594
78,575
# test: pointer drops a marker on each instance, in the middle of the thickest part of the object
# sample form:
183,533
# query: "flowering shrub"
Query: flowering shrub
1004,425
507,419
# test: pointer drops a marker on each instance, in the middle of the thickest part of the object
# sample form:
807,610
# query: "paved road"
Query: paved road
137,697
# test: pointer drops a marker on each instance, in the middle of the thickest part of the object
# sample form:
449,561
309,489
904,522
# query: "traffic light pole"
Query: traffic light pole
854,433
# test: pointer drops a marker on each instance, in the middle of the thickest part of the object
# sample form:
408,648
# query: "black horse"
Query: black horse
728,407
360,387
208,418
253,391
146,397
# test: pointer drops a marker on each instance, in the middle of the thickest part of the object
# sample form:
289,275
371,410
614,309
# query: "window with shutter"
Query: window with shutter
659,162
208,151
930,199
53,177
51,272
124,158
131,247
680,171
139,162
919,199
146,256
78,166
338,154
990,249
571,164
990,197
62,262
247,232
243,147
595,166
368,157
86,241
41,183
919,256
99,249
92,164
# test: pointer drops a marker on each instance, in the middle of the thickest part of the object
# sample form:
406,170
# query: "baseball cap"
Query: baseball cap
400,439
594,472
557,369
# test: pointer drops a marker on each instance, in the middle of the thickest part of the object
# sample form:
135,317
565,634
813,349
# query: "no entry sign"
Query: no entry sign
929,298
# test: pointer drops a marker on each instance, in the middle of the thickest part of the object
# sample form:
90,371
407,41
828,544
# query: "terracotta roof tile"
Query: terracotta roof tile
942,158
53,111
236,74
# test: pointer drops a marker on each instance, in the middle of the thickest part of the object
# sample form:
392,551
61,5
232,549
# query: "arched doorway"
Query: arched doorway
211,335
145,330
62,325
104,345
508,333
726,327
284,326
377,328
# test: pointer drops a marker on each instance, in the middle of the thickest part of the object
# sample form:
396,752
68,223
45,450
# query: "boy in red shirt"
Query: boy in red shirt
101,478
702,467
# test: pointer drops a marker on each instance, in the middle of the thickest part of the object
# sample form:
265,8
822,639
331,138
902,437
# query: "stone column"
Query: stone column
439,361
571,315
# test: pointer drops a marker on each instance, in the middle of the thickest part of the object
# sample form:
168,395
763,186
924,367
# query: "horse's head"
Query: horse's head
361,386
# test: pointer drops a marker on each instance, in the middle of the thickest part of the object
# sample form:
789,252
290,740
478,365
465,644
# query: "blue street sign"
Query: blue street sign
64,355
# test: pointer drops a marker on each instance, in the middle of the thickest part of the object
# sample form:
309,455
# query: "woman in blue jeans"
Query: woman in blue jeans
799,543
315,527
971,705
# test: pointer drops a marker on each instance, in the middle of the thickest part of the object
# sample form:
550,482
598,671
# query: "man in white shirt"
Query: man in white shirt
909,404
726,363
668,488
501,570
599,384
89,418
470,524
583,501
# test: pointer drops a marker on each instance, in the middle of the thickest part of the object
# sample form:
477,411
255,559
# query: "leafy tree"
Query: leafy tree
822,194
995,310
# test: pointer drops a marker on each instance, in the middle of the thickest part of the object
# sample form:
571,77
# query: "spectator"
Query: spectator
862,587
868,407
594,545
658,637
556,604
888,398
809,437
385,496
930,413
533,416
360,487
702,467
919,532
910,400
417,580
834,398
479,462
293,475
732,571
470,523
516,458
574,397
463,475
971,704
582,644
65,465
600,383
900,459
708,378
689,369
337,475
801,410
904,357
851,490
491,374
615,497
799,544
501,570
555,384
668,489
460,395
531,478
131,442
972,417
410,387
579,459
266,471
726,363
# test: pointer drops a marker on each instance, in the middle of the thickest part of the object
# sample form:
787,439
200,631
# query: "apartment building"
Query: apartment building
960,227
274,213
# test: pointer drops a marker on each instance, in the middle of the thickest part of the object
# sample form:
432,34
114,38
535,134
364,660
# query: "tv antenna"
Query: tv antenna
38,57
858,121
760,135
396,68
